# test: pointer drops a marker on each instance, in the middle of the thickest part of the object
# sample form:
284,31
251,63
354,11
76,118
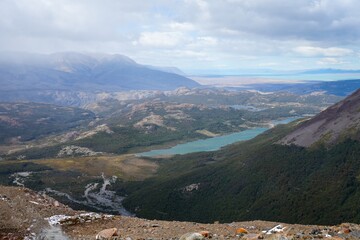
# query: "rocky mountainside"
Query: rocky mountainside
70,71
335,124
29,215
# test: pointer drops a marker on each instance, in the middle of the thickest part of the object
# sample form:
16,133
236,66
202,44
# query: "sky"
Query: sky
198,36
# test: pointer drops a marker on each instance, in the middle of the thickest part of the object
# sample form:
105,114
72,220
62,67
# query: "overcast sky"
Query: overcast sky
191,34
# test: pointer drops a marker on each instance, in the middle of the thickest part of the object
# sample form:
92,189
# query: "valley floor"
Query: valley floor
23,214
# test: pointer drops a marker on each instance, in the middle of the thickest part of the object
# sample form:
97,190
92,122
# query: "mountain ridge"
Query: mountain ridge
328,127
76,71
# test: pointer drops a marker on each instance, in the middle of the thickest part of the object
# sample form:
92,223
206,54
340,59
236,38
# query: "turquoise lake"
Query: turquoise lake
212,144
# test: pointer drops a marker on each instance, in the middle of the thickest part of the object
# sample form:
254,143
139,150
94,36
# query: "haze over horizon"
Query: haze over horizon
195,35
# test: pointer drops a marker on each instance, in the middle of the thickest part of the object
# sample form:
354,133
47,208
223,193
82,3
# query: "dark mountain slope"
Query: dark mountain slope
257,179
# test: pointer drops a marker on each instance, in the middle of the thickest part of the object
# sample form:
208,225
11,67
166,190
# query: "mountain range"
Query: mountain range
338,88
71,71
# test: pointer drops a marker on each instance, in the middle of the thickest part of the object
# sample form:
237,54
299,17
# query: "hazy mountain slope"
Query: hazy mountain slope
339,88
257,179
339,121
80,72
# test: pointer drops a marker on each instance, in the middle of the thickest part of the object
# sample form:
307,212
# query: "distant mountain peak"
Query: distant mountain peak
336,123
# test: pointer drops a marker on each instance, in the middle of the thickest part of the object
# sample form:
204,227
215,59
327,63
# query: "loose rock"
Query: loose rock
241,231
191,236
107,234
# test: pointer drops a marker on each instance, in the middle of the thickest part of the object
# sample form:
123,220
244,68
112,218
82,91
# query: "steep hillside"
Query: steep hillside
259,179
336,123
81,72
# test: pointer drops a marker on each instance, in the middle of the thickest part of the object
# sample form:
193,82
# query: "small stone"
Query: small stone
241,231
277,237
251,236
191,236
336,238
107,233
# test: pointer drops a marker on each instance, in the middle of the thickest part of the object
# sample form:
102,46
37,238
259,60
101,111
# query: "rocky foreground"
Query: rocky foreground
29,215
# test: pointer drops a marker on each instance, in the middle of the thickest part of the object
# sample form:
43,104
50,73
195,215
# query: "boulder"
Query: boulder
105,234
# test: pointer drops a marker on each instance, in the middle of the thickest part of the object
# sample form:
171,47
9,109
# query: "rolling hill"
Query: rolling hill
21,122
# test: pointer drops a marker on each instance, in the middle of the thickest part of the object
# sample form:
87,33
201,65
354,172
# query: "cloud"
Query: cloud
181,26
227,31
160,39
309,51
329,61
314,20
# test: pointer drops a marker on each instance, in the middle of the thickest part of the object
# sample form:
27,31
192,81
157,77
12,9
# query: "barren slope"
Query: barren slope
339,121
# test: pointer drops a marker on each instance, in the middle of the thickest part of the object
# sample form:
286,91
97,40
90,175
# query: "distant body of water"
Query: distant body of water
214,143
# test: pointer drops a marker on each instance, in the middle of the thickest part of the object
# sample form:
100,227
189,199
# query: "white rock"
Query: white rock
107,233
191,236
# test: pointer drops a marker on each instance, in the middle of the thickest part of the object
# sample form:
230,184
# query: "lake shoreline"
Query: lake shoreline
214,143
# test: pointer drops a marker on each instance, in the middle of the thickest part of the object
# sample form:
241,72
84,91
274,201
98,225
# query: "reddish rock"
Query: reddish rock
241,231
205,233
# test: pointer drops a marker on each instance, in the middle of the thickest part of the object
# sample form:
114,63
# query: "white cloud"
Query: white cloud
329,61
160,39
268,64
309,51
181,26
272,31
